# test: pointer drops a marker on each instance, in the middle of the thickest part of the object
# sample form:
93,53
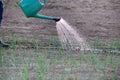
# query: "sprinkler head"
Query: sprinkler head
56,19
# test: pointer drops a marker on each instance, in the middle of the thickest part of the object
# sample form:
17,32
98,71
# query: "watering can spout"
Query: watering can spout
56,19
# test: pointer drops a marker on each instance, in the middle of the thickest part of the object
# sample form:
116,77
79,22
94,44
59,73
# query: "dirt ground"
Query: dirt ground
91,18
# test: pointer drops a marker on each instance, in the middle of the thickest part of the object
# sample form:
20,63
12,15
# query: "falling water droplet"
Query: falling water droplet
69,37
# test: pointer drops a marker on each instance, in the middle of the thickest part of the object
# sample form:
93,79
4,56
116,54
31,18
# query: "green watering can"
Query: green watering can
32,7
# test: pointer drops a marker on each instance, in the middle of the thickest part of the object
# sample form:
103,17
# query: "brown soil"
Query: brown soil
91,18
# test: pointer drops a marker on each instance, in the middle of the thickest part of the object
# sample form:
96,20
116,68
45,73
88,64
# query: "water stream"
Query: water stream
69,37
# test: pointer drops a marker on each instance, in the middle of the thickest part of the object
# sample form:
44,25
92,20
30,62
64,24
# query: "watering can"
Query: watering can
32,7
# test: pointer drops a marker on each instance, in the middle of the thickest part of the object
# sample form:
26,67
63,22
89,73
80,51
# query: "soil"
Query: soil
91,18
